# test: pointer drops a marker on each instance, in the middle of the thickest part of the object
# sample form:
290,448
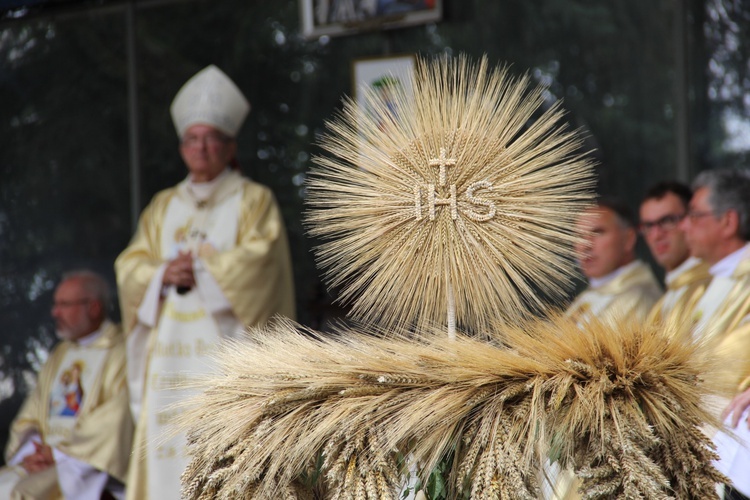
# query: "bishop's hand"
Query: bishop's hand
179,272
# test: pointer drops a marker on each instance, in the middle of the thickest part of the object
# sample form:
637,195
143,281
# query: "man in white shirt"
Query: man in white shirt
618,282
72,436
686,278
717,228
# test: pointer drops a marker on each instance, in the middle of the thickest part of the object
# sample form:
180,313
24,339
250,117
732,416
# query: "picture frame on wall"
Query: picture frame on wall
341,17
383,78
381,74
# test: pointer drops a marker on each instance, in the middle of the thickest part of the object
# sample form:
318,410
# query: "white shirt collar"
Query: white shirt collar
726,266
603,280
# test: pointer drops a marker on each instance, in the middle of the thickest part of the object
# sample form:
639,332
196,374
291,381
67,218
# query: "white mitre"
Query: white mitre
210,97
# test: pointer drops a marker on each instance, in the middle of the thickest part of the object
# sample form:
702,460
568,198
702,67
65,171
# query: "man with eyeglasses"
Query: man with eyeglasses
619,284
72,436
209,258
686,278
717,228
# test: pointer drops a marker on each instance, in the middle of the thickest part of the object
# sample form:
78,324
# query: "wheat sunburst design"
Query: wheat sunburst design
454,202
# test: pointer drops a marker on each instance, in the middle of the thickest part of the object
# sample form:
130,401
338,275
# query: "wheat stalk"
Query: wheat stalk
630,415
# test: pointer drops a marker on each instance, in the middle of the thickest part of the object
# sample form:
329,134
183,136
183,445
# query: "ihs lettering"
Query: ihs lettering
435,199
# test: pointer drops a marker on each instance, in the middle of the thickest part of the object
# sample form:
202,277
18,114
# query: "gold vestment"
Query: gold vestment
689,286
631,293
103,430
254,274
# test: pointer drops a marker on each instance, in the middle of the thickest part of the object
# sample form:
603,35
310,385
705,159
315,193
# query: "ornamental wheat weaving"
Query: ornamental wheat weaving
460,199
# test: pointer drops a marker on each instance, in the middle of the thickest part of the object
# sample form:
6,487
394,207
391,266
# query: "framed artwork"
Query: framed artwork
341,17
381,74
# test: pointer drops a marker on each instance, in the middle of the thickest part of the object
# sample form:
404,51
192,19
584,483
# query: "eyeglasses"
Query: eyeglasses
697,214
70,303
210,140
666,223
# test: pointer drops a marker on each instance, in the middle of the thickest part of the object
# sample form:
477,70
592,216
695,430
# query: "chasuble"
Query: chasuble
79,408
243,277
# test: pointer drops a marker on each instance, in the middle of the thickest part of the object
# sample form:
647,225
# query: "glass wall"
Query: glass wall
726,90
64,195
659,87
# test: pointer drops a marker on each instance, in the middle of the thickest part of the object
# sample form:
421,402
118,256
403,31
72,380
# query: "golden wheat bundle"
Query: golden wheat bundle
622,406
455,203
359,401
626,404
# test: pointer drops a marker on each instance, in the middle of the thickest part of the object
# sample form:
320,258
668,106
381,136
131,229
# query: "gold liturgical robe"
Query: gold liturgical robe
685,287
255,275
633,292
727,332
720,319
734,307
712,310
239,238
101,431
732,350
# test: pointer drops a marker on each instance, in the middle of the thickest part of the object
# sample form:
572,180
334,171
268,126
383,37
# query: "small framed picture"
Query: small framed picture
341,17
382,74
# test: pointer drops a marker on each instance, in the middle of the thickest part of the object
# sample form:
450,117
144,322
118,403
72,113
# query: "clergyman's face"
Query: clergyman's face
73,311
660,227
206,151
608,244
703,227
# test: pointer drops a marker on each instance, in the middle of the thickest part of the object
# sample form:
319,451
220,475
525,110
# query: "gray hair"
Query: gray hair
728,189
92,283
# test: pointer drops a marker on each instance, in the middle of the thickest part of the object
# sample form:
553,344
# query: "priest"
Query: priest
686,278
619,284
717,228
209,258
72,436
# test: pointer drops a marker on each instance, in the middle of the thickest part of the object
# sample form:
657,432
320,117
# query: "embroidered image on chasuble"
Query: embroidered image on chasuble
80,406
243,277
